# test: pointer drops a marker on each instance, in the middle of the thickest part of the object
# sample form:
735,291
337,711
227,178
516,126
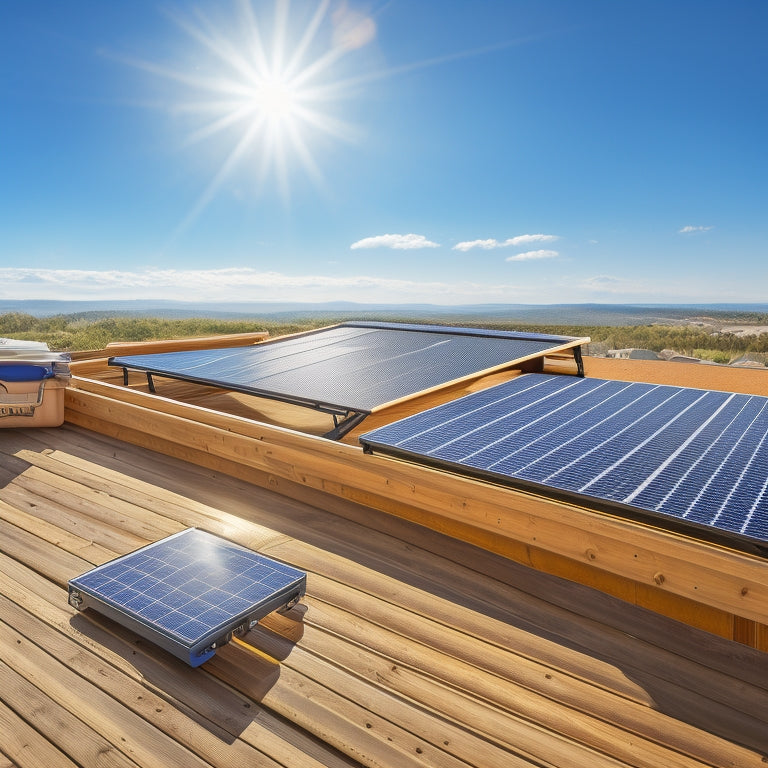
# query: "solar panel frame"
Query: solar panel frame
690,460
354,368
189,592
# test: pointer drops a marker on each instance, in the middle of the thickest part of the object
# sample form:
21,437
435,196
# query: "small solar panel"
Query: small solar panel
189,592
694,459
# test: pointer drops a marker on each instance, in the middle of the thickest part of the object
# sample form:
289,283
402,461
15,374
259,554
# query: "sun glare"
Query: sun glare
264,89
276,100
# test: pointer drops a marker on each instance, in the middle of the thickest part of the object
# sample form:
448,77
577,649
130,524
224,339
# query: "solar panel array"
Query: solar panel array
697,457
188,592
352,366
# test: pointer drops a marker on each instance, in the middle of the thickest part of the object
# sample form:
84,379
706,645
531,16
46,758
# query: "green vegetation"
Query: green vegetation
66,333
95,330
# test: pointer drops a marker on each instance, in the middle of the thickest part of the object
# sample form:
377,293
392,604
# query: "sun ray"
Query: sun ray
265,91
216,182
225,121
306,40
253,41
274,82
278,44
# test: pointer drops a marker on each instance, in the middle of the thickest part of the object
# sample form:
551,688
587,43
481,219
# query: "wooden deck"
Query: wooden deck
410,649
276,446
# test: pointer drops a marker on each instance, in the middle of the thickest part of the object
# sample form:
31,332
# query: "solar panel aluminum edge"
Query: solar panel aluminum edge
189,592
689,460
461,330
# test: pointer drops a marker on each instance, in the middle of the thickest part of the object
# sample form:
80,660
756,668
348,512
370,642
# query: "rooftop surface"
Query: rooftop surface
409,649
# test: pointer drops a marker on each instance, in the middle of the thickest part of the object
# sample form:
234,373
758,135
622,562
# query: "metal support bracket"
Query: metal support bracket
579,361
345,425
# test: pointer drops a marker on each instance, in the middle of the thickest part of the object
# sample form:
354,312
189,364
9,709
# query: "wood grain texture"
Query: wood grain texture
410,649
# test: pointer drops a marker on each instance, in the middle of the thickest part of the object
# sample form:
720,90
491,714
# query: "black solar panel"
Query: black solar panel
694,458
188,592
353,367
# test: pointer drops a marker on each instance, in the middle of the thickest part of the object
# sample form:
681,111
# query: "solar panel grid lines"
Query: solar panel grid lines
188,591
691,440
552,436
708,456
614,437
590,434
698,506
657,431
697,457
746,483
762,496
752,462
450,436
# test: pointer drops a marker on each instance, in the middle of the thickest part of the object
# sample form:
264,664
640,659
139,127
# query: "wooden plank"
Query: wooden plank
194,412
58,725
53,563
139,723
514,736
449,733
598,653
116,348
626,728
555,734
102,534
358,727
53,534
85,502
719,377
148,500
98,504
25,746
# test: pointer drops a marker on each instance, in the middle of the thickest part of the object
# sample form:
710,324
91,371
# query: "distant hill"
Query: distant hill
558,314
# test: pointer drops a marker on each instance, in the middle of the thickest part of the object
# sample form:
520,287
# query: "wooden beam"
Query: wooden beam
170,345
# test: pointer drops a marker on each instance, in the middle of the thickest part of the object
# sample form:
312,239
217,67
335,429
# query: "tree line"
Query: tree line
88,332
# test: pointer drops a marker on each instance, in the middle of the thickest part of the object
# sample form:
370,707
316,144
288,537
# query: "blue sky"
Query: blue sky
472,151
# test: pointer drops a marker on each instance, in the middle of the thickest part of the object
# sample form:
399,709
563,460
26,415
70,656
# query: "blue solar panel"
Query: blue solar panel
696,457
352,367
188,592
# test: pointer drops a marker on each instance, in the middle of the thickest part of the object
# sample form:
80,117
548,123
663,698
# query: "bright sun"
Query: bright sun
266,86
276,100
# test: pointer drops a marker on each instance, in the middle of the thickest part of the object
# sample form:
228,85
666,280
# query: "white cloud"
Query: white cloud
523,239
687,230
398,242
238,284
485,244
509,242
533,255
